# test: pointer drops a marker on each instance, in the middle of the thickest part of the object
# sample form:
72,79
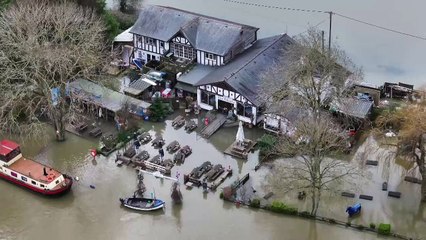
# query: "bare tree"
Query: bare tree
311,76
44,44
310,79
314,166
411,124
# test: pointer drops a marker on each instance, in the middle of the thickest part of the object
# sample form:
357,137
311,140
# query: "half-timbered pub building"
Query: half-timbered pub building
236,85
161,31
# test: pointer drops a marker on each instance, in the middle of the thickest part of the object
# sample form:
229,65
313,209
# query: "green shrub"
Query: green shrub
266,143
221,195
372,225
255,203
112,25
280,207
123,137
119,145
384,229
158,110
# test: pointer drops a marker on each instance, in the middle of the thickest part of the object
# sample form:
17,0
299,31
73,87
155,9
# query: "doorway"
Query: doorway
224,107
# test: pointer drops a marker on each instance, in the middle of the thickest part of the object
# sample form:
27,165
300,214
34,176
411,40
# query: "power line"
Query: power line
380,27
276,7
331,13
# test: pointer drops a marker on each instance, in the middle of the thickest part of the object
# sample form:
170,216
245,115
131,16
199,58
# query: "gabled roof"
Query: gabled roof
245,73
203,32
353,107
103,96
197,73
137,87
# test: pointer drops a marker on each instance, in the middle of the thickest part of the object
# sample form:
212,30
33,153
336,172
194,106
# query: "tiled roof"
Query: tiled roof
205,33
245,73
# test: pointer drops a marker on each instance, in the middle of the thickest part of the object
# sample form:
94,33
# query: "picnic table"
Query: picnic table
95,132
81,127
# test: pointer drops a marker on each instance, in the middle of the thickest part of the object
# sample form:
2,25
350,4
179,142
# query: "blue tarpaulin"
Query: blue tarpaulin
67,89
55,95
138,63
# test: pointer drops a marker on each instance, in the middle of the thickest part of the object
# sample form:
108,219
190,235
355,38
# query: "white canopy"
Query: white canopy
240,133
125,36
149,81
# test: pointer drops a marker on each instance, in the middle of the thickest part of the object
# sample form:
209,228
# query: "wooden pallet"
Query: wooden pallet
212,127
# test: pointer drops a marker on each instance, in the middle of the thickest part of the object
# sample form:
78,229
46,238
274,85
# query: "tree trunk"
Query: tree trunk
313,198
59,130
58,122
421,164
317,201
316,196
423,192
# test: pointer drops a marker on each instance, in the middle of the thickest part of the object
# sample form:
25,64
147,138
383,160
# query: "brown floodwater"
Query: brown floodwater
87,213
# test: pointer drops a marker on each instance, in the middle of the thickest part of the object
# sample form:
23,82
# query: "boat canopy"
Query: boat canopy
8,150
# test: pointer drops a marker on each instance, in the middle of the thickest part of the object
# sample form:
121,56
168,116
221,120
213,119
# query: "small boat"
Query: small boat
354,210
143,204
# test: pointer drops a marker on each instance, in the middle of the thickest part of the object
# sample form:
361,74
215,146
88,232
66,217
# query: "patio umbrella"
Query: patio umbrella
240,133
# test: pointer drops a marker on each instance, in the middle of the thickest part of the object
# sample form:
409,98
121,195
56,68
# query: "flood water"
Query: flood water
384,56
87,213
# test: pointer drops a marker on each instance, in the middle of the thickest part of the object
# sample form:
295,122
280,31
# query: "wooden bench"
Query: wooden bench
394,194
348,194
413,180
366,197
371,162
81,127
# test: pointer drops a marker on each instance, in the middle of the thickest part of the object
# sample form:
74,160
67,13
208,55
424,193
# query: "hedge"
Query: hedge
384,229
280,207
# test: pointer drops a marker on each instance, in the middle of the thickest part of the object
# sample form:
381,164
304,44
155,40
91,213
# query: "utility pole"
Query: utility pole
322,40
329,31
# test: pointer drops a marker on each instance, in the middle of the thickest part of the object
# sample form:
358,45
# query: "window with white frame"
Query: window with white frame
210,56
150,41
139,41
183,51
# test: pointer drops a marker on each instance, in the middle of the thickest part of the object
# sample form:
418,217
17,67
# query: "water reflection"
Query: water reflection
313,235
176,213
